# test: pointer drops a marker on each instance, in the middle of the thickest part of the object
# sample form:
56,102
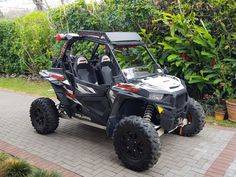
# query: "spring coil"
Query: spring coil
148,112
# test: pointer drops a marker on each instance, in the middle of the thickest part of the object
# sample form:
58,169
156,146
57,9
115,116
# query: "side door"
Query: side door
91,94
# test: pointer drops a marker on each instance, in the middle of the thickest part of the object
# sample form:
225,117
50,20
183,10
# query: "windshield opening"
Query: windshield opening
135,62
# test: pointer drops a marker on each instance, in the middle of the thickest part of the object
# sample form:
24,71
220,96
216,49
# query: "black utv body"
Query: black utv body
110,80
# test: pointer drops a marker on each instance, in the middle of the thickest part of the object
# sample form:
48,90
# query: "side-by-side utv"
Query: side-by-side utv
110,80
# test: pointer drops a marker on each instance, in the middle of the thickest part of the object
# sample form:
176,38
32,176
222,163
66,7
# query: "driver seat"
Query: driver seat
107,70
84,71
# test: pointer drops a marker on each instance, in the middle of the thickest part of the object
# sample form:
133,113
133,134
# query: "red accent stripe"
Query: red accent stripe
70,94
55,76
181,131
128,87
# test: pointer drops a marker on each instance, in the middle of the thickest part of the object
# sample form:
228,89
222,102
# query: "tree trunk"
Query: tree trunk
39,4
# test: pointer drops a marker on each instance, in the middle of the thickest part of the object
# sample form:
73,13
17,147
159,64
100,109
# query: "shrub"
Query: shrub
204,61
15,168
9,60
107,16
44,173
3,156
34,44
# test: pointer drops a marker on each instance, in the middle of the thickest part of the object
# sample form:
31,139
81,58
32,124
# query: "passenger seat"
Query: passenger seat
84,70
107,70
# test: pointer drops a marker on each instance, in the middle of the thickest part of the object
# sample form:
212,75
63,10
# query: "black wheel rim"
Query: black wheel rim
39,118
132,145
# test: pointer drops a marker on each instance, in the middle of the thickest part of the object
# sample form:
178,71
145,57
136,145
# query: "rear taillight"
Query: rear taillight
60,37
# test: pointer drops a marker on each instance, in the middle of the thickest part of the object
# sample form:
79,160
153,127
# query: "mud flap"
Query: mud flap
111,124
62,98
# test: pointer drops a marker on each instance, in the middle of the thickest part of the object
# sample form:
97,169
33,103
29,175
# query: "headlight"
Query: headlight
156,96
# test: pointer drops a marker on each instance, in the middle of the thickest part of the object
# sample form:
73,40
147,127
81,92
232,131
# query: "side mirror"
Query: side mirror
165,70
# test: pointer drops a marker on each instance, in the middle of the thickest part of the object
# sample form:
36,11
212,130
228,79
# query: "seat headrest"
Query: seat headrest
82,60
105,58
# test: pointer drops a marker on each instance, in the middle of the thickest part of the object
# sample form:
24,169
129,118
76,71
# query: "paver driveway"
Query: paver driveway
87,151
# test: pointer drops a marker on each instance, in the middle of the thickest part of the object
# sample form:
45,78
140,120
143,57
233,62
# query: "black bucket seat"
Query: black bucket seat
107,70
84,70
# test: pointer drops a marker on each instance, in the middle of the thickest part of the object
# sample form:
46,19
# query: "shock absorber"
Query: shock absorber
148,112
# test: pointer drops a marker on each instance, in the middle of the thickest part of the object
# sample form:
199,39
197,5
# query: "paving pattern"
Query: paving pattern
231,170
88,152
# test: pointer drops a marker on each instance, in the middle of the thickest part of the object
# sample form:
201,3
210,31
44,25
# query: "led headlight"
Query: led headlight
156,96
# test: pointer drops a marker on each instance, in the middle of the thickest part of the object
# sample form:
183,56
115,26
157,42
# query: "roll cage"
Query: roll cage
109,39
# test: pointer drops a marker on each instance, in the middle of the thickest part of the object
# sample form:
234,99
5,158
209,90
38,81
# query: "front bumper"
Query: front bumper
169,117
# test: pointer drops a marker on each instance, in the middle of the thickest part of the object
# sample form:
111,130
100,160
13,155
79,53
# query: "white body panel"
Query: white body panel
161,83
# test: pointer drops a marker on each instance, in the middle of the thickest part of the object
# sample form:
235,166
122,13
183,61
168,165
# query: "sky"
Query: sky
27,4
14,8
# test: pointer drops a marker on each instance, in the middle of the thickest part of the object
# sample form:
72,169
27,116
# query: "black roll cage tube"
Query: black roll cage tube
97,41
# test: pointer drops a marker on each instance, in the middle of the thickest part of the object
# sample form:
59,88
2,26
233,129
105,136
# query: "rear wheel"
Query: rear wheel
195,120
44,115
136,143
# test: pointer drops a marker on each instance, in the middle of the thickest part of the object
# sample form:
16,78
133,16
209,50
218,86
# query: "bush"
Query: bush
198,44
9,60
194,54
15,168
107,16
35,41
3,157
44,173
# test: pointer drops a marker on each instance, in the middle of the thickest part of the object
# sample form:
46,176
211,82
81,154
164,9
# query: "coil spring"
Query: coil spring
148,112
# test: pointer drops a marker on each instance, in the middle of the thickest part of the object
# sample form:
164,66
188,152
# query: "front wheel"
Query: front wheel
195,120
44,115
137,143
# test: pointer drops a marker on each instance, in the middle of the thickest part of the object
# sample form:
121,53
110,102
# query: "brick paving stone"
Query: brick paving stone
224,163
87,151
231,171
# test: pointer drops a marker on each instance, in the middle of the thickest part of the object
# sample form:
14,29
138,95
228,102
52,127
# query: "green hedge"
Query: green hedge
111,15
9,60
35,42
26,44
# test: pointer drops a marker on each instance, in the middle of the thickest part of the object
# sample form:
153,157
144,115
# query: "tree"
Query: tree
39,4
1,14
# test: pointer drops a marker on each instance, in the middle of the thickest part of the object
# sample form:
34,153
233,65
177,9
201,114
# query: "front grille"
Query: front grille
181,100
168,100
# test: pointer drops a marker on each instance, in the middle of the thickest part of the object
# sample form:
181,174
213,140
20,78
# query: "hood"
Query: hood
161,83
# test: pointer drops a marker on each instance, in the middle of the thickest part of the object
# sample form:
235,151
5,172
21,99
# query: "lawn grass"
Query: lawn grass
41,88
223,123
